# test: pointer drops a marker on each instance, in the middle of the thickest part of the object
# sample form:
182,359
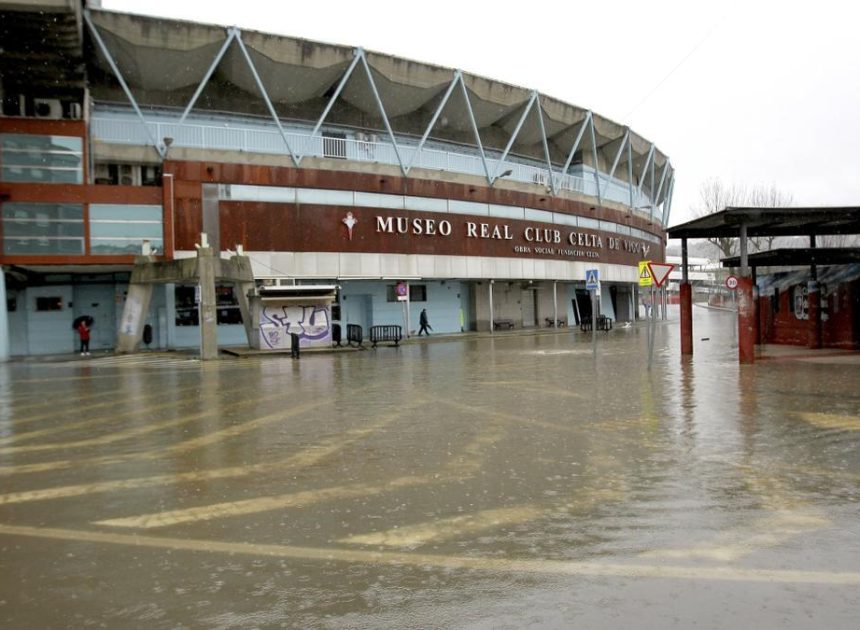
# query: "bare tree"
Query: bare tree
763,196
714,196
837,240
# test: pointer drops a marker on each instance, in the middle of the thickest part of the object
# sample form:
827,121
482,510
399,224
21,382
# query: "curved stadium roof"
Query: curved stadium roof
164,61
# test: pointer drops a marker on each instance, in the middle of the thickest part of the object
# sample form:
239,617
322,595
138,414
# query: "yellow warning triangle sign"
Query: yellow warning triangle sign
645,279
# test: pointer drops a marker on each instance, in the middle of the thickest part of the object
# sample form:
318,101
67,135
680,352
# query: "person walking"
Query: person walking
425,326
84,332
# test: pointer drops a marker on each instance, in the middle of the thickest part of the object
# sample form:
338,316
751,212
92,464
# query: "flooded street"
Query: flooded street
488,482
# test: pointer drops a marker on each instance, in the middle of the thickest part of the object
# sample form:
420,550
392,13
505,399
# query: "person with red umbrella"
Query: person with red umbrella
82,325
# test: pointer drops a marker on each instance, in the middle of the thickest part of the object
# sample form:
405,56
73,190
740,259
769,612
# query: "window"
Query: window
43,228
127,174
186,306
226,306
41,159
121,229
52,303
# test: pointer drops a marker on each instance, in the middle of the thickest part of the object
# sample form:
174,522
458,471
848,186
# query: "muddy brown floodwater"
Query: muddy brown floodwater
490,482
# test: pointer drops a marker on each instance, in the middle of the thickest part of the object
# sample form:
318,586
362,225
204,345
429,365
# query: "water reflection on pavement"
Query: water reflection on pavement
489,482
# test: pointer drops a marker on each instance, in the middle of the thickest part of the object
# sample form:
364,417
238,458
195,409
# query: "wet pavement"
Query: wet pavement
489,482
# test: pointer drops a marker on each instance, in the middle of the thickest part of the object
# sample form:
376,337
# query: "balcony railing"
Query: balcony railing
115,126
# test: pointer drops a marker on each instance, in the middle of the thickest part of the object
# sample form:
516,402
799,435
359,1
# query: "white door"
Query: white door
527,301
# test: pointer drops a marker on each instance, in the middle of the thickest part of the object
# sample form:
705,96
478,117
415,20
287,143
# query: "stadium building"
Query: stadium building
326,164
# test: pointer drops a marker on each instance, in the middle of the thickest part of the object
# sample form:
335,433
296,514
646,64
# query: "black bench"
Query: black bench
354,334
388,332
503,323
604,323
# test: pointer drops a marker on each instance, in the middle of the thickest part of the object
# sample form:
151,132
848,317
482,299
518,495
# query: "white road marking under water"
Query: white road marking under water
447,562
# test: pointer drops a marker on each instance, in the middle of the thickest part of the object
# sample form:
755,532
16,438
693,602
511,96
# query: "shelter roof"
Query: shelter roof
793,257
772,222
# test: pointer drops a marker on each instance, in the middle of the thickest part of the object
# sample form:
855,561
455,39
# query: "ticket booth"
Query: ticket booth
280,311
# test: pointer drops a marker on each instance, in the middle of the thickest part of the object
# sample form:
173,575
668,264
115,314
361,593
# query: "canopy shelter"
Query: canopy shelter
801,256
746,222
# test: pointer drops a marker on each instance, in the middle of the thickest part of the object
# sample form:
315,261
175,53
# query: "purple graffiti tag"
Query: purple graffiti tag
310,323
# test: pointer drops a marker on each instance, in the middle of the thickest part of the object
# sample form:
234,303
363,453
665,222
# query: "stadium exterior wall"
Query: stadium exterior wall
521,242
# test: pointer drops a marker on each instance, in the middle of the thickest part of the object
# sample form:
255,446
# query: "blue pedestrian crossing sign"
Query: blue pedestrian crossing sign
592,280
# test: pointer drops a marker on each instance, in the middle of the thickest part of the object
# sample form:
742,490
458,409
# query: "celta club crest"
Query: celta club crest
350,221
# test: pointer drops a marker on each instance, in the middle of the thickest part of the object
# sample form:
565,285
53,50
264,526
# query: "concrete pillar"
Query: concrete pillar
133,317
211,220
206,262
241,290
813,297
4,319
686,318
746,321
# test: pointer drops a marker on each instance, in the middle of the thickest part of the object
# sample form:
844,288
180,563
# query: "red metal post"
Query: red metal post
686,318
746,321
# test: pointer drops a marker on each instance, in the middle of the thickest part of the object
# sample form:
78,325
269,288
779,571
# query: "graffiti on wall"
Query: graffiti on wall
311,323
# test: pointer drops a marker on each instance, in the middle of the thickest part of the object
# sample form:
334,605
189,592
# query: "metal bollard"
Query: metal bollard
294,345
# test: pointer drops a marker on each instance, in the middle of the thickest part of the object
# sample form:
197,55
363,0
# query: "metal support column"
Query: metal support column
617,160
264,93
474,125
159,146
492,326
432,123
686,303
814,299
545,145
596,159
513,137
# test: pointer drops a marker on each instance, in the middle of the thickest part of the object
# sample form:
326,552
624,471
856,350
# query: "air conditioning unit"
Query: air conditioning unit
102,174
149,176
539,178
14,105
128,175
75,111
47,108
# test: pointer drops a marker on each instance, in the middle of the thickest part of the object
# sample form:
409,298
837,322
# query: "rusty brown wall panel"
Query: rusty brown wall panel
285,227
315,228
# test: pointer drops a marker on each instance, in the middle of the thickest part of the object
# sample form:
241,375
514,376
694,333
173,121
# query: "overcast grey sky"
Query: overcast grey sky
755,92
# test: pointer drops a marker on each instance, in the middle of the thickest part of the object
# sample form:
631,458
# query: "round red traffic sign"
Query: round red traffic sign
732,282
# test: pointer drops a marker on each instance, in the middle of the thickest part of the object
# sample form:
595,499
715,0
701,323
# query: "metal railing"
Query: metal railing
119,127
